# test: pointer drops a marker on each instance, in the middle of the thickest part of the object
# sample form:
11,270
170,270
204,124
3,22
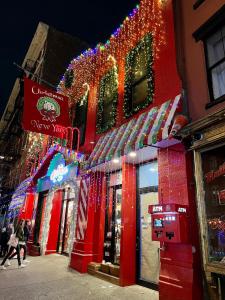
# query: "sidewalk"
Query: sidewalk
47,277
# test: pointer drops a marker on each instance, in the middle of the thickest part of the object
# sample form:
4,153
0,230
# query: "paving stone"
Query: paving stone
49,278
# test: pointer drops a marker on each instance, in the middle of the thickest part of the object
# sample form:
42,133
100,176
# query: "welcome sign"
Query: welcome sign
45,111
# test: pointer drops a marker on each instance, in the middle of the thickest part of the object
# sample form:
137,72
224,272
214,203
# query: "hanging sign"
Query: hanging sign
45,111
58,174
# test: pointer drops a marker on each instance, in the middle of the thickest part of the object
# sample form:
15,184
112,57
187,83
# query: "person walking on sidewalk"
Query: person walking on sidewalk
26,230
3,241
21,234
16,241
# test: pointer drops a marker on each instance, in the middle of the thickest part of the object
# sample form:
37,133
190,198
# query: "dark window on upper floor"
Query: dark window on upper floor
139,82
107,103
212,33
80,120
215,61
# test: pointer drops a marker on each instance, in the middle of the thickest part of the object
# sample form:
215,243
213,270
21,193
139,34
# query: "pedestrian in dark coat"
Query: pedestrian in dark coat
3,242
26,230
19,235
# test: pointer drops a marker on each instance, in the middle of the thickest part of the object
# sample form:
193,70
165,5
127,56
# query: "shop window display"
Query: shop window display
113,220
213,164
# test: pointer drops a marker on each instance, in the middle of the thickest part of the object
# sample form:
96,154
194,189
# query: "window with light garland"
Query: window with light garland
107,103
69,78
80,119
139,78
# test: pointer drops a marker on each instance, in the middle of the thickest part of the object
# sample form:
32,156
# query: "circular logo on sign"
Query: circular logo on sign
48,108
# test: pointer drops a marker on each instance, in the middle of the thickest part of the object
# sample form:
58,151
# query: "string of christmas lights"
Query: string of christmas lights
92,64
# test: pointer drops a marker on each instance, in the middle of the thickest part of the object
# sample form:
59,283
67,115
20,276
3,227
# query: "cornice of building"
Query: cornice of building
203,123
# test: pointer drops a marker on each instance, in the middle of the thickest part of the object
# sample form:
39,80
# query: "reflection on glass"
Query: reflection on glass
149,249
218,78
213,165
148,175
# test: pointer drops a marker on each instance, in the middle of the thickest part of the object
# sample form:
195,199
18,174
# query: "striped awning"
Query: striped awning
148,129
19,195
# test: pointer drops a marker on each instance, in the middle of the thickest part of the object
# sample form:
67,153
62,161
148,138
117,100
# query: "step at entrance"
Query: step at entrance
104,271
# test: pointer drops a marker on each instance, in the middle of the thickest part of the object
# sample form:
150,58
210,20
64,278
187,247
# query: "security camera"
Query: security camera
197,136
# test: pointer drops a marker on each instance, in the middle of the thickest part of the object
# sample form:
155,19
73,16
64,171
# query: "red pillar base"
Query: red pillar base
80,261
177,274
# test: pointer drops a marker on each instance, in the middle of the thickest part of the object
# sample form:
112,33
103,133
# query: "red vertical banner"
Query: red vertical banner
45,111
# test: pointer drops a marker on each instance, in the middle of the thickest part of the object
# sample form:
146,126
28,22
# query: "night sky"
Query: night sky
92,21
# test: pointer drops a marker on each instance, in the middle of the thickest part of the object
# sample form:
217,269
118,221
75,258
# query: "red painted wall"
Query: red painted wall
167,81
180,263
54,222
27,211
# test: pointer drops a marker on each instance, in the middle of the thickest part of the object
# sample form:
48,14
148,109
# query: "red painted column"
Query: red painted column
31,249
54,222
128,226
91,247
179,270
28,207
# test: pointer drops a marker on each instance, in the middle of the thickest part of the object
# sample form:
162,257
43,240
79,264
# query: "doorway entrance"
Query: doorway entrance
39,217
113,225
148,255
65,225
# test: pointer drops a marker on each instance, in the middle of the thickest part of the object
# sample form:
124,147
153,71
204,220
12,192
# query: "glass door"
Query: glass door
149,250
148,255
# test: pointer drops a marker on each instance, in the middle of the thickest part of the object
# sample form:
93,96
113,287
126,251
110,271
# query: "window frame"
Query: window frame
214,23
85,101
100,126
213,100
129,110
201,208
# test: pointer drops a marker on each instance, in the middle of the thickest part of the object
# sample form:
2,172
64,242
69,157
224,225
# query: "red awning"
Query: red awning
149,128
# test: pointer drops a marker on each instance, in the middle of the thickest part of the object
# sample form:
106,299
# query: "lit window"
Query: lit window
80,120
107,104
139,83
